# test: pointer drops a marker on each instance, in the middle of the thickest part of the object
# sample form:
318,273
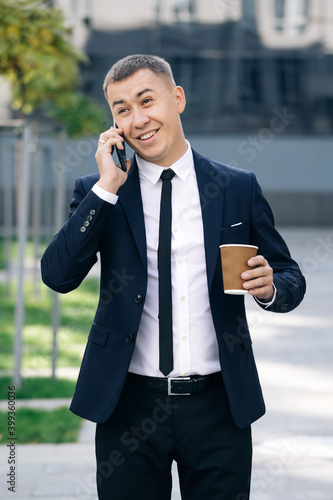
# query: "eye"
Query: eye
147,100
121,111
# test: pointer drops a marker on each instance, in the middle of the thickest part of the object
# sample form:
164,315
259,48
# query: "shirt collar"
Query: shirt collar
181,167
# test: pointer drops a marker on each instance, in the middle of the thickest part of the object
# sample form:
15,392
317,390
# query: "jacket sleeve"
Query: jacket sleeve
287,276
73,251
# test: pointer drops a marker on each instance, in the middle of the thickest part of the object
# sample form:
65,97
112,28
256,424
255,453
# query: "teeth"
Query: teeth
146,136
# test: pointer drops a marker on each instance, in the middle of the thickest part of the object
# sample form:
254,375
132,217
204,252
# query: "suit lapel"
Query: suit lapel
131,202
211,191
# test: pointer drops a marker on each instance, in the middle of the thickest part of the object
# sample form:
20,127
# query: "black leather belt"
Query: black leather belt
180,385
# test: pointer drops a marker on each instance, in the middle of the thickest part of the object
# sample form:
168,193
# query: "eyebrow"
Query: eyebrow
139,94
143,92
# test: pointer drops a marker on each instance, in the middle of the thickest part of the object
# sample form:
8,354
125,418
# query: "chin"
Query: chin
152,157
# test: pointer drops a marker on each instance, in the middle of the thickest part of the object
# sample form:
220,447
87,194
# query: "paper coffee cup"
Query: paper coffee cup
234,260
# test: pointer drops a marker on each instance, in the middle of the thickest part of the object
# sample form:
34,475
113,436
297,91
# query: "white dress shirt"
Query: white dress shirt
194,339
195,344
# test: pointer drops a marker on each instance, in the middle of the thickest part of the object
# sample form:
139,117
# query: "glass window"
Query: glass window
250,81
291,16
288,77
279,8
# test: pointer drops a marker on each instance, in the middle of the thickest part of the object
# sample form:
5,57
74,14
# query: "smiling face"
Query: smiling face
147,106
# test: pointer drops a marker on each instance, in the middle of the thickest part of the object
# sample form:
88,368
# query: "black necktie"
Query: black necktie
164,275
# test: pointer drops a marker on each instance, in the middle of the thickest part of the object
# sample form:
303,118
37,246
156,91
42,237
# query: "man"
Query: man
147,331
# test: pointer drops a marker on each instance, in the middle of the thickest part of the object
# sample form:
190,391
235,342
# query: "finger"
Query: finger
104,152
117,129
264,292
256,273
108,142
116,141
258,260
103,138
257,283
112,132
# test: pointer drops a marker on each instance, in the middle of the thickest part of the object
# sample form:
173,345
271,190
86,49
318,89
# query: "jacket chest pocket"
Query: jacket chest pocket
235,234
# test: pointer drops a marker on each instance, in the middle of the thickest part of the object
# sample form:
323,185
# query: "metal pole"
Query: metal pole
8,161
55,327
59,220
36,215
22,239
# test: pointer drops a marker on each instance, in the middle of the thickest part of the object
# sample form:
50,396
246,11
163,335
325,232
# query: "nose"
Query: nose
140,119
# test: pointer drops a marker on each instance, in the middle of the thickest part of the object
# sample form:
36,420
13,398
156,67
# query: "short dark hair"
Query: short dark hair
126,67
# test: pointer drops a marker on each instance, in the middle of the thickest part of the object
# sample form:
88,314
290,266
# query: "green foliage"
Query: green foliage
42,65
42,426
79,114
2,253
35,53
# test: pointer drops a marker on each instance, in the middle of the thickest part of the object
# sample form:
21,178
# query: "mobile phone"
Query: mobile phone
121,153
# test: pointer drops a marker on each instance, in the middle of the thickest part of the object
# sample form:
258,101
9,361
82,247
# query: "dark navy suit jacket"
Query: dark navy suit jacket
228,196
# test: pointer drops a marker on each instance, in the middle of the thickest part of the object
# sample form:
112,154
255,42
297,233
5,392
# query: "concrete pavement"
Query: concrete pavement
293,442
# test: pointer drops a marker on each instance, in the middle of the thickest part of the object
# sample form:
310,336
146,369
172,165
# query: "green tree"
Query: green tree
36,55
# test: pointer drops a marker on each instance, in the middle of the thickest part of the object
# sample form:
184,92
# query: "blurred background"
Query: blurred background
258,77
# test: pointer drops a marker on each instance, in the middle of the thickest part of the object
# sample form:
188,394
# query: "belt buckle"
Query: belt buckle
170,379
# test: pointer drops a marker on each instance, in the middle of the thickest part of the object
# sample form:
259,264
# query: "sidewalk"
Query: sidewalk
293,442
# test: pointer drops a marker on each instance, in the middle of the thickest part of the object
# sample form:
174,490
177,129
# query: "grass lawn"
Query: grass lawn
10,244
77,313
38,387
2,252
42,426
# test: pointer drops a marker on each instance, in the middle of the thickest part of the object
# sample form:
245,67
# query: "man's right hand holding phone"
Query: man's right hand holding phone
111,176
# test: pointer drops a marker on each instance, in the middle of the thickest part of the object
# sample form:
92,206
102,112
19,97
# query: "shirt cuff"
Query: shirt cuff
267,304
105,195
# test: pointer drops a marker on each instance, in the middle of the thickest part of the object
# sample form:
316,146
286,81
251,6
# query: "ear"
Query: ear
180,98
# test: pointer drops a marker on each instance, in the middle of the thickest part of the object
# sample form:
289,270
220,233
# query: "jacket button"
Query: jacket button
92,212
129,338
138,299
86,223
82,229
89,218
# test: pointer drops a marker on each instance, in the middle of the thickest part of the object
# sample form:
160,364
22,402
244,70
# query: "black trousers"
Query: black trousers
135,448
